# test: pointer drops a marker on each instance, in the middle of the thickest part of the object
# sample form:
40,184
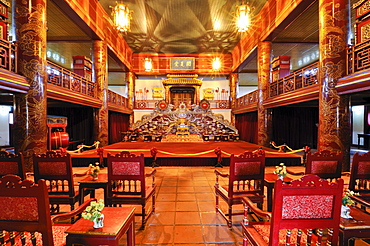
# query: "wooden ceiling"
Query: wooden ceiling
188,27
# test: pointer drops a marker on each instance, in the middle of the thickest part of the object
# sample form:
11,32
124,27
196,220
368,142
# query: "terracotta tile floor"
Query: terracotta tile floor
185,209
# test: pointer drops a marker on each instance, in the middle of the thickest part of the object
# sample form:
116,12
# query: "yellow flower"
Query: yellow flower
93,211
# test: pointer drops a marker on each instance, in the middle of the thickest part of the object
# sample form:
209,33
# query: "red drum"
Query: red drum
59,139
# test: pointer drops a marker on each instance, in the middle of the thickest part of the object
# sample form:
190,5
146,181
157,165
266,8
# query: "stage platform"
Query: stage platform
187,154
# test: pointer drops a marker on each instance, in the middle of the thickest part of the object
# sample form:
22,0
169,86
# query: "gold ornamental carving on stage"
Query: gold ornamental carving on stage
183,124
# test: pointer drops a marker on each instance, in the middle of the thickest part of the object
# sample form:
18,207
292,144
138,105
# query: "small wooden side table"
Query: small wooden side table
118,221
269,182
358,227
89,183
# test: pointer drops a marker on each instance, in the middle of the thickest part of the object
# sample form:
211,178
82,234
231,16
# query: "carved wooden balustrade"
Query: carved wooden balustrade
358,57
247,99
301,78
62,77
298,79
8,56
117,99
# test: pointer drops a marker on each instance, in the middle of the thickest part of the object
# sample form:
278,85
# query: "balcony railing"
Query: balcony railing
117,99
247,99
358,57
298,79
8,56
64,78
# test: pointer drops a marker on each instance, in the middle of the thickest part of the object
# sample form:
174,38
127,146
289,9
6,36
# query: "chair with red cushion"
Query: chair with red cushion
245,178
325,164
126,183
305,211
25,216
12,164
359,181
56,169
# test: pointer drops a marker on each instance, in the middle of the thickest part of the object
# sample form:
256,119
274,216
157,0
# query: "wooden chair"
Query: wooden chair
325,164
359,181
25,216
56,169
12,164
126,183
246,178
301,212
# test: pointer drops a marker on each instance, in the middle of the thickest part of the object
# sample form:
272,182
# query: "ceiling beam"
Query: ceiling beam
83,39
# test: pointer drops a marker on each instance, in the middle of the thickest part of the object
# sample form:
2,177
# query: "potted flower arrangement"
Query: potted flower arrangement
346,202
94,170
93,213
280,171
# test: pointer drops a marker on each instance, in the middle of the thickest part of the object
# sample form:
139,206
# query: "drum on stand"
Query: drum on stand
59,139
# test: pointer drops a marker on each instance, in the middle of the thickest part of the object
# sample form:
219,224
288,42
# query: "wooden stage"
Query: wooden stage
187,154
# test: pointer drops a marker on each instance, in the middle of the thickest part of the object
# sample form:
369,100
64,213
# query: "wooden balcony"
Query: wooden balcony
8,56
358,57
62,83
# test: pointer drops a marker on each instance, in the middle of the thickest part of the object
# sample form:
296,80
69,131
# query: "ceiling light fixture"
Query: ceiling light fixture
121,17
243,13
148,65
216,63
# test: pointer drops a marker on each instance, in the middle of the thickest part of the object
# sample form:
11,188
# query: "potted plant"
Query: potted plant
280,171
93,213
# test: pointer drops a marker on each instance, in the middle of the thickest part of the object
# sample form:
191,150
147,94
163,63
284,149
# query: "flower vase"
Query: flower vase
345,212
281,177
95,177
98,222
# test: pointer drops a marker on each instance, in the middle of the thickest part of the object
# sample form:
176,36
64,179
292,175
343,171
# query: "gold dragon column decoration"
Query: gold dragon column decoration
264,115
334,129
130,77
30,129
233,79
101,79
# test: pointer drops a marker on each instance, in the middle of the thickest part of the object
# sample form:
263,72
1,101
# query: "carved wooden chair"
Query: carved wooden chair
245,178
126,183
12,164
325,164
56,169
25,216
359,181
305,212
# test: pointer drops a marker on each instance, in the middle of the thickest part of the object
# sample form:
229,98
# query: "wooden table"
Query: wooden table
358,227
118,221
89,183
269,182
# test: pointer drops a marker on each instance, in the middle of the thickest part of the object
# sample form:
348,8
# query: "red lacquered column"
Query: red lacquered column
333,111
264,116
233,82
30,129
101,79
130,77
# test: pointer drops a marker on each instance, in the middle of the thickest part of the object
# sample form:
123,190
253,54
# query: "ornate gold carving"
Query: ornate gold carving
264,56
365,32
32,34
355,5
334,44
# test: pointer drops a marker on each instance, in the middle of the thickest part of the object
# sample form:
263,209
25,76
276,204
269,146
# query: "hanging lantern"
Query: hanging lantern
122,17
148,65
216,63
243,12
